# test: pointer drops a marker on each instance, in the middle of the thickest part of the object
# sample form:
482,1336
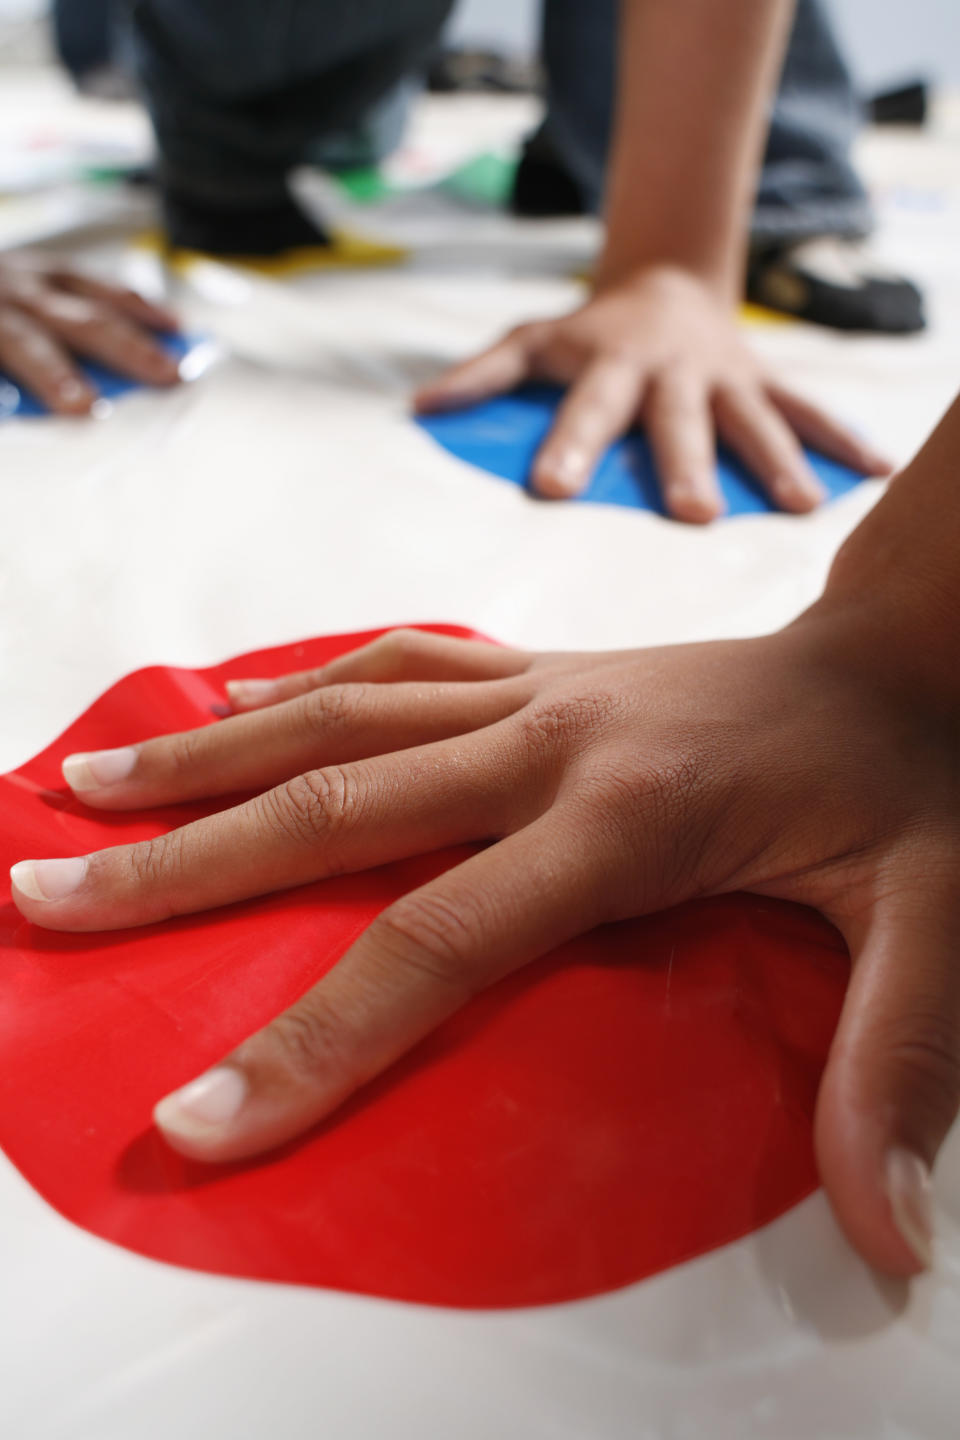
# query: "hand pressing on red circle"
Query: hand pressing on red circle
603,786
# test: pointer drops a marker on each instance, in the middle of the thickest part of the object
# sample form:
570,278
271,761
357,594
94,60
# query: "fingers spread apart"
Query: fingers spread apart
95,330
327,821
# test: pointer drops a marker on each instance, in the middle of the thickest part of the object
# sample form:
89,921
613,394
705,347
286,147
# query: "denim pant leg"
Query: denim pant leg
807,185
240,90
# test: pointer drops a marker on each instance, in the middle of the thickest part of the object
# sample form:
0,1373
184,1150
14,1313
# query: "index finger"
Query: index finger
421,960
503,367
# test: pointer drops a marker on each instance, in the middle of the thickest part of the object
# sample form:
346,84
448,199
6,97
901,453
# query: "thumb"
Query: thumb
892,1084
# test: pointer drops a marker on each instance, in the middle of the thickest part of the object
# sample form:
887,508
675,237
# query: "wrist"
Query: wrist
894,605
668,275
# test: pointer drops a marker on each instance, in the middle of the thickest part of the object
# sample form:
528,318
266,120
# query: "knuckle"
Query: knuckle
394,651
314,808
659,811
84,317
565,724
182,753
332,708
624,353
156,860
434,935
311,1040
924,1064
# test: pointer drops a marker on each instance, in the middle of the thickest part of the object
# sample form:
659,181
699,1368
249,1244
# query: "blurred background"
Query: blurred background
885,42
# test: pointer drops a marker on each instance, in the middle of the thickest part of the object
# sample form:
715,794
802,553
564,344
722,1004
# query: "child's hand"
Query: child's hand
611,785
48,313
660,350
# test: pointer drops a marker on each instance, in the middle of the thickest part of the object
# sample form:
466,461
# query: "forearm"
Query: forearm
901,568
695,79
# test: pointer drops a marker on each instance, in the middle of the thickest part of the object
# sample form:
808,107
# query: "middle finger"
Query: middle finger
326,822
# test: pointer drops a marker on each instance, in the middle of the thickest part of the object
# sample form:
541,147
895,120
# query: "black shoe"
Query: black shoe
831,281
543,187
269,230
907,105
480,72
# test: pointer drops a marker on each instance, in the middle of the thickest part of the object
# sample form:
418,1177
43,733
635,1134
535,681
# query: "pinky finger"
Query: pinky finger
400,655
755,430
822,432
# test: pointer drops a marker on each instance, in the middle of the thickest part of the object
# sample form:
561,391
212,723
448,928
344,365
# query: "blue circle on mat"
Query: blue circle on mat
503,435
15,400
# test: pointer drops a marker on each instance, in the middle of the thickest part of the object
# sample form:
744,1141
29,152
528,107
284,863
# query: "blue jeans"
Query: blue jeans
241,91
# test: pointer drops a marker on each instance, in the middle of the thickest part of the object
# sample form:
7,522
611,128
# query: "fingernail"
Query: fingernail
911,1202
90,771
71,392
166,369
204,1104
446,399
878,464
250,693
48,879
688,502
565,470
787,489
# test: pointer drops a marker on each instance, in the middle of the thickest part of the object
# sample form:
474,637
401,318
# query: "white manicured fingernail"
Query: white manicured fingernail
91,770
204,1104
878,464
787,488
567,470
48,879
688,502
250,693
74,390
911,1201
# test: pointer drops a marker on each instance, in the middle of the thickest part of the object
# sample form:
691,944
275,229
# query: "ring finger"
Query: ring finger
329,726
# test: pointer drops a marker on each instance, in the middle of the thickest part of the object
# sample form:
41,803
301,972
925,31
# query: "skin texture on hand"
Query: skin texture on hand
663,351
50,315
611,785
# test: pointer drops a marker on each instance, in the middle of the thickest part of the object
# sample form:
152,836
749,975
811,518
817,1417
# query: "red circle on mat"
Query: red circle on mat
639,1097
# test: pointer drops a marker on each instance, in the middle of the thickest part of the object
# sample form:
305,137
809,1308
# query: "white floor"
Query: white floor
283,493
